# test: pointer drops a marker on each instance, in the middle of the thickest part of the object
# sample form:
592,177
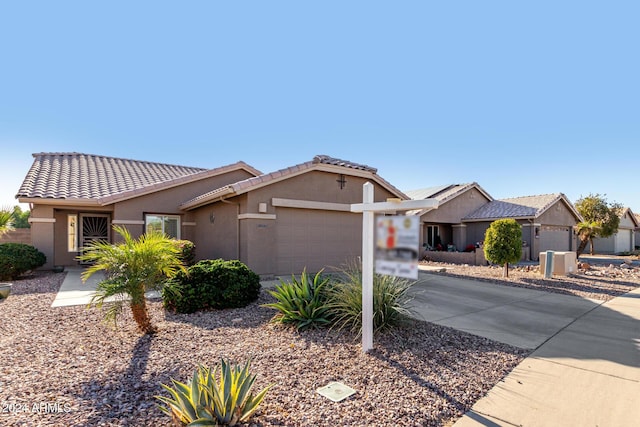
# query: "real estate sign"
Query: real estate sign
397,244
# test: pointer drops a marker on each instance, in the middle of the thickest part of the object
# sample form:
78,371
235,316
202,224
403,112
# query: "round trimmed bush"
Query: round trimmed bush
211,284
18,258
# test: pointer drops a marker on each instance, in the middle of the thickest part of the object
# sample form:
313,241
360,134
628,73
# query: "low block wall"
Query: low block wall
18,235
471,258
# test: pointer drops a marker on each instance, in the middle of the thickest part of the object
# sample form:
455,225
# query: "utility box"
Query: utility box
563,263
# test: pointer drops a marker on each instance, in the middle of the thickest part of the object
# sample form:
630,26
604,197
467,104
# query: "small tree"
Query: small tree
503,243
20,217
601,219
132,268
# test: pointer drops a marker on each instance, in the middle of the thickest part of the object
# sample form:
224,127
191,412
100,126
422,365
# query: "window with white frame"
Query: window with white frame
166,224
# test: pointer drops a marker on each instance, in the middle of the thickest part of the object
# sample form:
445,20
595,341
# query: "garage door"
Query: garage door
316,239
623,241
555,239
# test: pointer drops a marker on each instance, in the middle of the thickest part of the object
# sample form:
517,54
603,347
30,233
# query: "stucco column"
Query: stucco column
42,233
460,236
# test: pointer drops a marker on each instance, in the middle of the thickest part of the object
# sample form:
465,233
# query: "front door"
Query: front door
93,227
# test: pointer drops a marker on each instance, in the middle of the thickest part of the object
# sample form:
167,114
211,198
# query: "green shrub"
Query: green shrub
302,303
187,251
390,300
18,258
503,243
205,401
212,284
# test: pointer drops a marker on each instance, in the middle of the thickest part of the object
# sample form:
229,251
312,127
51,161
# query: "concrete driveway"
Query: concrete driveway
520,317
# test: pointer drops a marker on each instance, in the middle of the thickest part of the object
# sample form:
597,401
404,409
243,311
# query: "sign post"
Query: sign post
369,208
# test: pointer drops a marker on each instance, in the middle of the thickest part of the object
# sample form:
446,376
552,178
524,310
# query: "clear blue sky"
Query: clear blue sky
522,97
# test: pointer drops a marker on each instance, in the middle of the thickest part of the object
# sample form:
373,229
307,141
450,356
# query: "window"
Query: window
433,236
167,224
72,233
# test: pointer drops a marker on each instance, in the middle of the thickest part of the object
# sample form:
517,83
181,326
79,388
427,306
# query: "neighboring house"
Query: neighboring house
547,221
624,240
444,226
636,234
277,223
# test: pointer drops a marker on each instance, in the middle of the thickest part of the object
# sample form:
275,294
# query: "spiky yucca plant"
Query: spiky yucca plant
132,268
390,300
204,401
301,302
6,220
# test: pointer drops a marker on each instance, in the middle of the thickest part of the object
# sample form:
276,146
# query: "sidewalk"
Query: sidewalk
588,374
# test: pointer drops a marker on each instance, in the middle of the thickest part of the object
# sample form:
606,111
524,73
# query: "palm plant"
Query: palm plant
586,231
132,268
6,220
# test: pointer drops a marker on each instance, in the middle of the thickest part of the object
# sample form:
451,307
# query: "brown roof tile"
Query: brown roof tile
106,179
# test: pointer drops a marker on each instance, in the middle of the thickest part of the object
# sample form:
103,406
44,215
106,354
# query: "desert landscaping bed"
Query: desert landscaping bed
601,281
65,367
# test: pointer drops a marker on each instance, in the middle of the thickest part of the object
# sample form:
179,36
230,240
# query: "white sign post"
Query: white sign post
368,209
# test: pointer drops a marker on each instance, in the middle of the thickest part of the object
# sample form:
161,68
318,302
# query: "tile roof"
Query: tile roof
443,194
517,207
270,178
69,176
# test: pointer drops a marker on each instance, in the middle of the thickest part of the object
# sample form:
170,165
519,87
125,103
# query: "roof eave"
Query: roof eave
59,202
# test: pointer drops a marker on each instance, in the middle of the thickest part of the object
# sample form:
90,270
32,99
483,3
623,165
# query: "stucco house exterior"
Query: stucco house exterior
466,211
444,225
276,223
547,221
624,240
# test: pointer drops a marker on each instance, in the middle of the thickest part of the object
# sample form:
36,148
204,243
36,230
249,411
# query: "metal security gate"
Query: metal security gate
93,227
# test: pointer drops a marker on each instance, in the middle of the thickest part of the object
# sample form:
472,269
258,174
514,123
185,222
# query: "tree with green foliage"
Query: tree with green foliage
503,243
132,268
20,217
6,220
600,219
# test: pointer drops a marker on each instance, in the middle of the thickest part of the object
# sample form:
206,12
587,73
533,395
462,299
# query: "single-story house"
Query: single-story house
276,223
547,221
466,211
624,240
637,232
443,226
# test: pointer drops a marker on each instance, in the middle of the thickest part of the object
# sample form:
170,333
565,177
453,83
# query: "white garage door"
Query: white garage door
623,241
316,239
555,239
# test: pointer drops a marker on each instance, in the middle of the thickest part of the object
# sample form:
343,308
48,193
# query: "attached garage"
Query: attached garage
623,241
316,239
554,238
291,219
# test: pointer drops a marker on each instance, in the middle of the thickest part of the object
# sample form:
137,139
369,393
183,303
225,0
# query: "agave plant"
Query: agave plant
302,302
205,402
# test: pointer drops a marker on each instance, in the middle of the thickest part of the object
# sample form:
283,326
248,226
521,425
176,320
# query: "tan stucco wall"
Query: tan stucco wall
452,211
258,241
42,232
167,202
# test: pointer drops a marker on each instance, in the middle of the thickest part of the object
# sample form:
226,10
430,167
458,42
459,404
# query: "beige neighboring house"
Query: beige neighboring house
466,211
444,226
547,221
636,234
277,223
624,240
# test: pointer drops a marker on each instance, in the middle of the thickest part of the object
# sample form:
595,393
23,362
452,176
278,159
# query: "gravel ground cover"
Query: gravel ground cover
64,367
602,280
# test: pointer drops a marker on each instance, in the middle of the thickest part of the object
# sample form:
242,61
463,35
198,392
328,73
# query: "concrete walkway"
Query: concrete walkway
74,292
585,370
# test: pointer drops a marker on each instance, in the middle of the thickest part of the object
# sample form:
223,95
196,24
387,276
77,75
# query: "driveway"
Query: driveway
520,317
